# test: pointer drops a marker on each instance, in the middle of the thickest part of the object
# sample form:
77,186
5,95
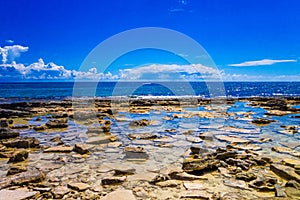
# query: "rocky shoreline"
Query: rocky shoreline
150,148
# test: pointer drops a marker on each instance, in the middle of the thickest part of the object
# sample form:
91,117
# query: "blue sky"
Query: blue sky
251,40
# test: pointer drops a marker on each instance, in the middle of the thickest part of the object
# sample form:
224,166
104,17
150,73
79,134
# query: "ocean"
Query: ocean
60,90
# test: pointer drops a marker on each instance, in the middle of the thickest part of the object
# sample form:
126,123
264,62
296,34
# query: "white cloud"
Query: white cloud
260,62
9,41
11,52
157,71
262,78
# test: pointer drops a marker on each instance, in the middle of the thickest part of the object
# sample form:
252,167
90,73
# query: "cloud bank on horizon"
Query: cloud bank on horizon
12,71
260,63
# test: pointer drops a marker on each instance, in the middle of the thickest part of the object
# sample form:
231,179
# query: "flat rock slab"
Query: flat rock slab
196,194
59,149
285,172
15,194
232,139
142,136
291,162
252,147
60,191
103,139
120,194
193,186
113,180
286,150
168,183
78,186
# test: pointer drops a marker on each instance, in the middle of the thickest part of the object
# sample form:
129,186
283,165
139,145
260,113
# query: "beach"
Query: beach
150,148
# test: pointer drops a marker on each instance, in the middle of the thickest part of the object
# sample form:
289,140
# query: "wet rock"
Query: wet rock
5,122
59,149
102,139
113,180
60,115
16,169
251,147
16,194
293,183
124,172
60,191
207,136
40,127
19,156
26,142
279,192
232,139
6,133
57,140
142,136
247,176
57,123
277,113
286,150
32,175
120,194
262,121
194,139
285,172
19,126
142,122
135,153
84,115
291,162
82,148
78,186
10,112
199,150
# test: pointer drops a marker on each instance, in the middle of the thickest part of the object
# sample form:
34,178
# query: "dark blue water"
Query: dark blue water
66,89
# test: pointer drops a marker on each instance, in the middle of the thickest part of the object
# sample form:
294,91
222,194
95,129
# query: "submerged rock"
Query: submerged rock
232,139
102,139
135,153
142,122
